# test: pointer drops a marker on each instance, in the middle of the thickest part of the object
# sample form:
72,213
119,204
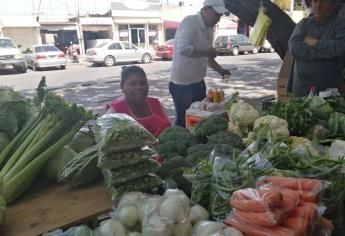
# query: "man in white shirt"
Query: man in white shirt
193,52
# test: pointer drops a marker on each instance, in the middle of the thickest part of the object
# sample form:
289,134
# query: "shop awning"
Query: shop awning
169,24
18,21
57,27
96,21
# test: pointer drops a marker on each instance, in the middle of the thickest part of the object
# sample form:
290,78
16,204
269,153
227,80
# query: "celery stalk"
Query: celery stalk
21,149
35,150
15,186
4,155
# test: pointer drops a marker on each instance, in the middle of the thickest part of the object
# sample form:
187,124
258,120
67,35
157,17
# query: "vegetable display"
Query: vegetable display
120,137
43,135
279,206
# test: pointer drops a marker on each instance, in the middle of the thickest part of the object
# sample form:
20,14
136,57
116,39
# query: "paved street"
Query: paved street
253,76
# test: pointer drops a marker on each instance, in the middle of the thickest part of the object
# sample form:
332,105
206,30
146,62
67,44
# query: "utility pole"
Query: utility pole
33,7
292,5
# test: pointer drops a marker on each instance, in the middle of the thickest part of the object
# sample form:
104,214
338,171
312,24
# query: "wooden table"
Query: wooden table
56,206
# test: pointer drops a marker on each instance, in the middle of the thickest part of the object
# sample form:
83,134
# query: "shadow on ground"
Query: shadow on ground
255,81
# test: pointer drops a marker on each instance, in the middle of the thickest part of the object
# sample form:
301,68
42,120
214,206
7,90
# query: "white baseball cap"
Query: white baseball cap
217,5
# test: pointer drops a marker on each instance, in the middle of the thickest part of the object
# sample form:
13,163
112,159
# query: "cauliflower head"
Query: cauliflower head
243,114
236,129
277,127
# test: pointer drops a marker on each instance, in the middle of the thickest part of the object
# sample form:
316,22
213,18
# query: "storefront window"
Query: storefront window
153,36
123,33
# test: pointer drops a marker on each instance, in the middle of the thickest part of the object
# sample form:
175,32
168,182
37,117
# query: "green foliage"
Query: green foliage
83,139
227,137
336,123
82,169
296,112
8,122
57,162
210,125
320,108
3,141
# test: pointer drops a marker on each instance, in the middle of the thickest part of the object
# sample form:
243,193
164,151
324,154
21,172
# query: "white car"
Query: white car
267,47
10,57
44,56
109,53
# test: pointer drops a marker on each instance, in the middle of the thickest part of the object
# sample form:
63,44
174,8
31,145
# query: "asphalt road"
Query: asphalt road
253,76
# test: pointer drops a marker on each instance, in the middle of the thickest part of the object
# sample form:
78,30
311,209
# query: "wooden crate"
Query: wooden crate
57,206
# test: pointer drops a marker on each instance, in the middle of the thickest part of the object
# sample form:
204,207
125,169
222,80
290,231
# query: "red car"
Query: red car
166,50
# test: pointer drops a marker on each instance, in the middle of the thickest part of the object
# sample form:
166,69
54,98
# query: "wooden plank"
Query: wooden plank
57,206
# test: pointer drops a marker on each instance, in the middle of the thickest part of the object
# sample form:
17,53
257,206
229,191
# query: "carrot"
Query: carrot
247,193
326,224
266,219
256,200
253,230
312,185
310,196
306,211
249,205
273,198
301,226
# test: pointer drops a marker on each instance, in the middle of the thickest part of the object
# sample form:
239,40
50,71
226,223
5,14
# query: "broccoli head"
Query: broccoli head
175,141
199,152
177,133
210,125
169,165
227,137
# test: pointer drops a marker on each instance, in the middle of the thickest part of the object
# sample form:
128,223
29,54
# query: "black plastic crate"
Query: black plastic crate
266,103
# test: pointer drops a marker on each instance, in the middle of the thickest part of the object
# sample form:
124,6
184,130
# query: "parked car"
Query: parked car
234,44
43,56
109,53
267,47
166,50
10,56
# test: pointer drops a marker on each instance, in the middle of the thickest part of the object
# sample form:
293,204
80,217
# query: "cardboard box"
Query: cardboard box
283,78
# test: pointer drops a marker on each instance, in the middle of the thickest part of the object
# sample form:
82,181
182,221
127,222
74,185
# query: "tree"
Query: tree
282,25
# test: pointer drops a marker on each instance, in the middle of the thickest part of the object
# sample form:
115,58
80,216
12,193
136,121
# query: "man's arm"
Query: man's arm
299,49
334,47
215,66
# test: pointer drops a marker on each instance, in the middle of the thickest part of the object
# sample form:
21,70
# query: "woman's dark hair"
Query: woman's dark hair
130,70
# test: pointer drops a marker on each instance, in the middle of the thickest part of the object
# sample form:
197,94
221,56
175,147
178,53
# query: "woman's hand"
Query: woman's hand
311,42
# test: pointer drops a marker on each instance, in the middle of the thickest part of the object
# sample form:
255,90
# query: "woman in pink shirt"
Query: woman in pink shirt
148,111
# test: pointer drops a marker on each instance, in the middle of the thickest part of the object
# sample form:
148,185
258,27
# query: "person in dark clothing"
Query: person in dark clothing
318,46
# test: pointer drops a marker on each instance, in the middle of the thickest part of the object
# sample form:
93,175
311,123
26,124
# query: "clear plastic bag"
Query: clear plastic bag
256,200
145,184
200,177
228,175
122,159
251,229
120,132
123,175
174,207
311,190
80,230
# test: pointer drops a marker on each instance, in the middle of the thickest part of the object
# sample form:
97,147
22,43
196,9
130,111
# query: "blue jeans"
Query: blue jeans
184,96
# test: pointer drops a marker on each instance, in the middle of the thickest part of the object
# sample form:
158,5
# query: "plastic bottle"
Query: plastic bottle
312,91
210,95
216,96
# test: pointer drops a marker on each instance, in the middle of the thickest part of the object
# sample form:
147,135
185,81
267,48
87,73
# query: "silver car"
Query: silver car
109,53
44,56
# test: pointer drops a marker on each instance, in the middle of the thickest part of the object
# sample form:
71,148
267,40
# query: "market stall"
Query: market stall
234,171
